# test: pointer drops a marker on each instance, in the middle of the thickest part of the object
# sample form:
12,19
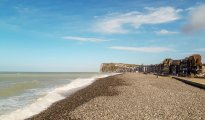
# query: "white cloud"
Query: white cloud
83,39
165,32
25,10
189,9
142,49
196,21
200,49
115,23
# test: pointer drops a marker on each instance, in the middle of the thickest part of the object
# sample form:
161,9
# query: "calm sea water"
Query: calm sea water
25,94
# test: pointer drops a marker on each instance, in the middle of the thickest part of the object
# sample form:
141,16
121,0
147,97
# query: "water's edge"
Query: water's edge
57,94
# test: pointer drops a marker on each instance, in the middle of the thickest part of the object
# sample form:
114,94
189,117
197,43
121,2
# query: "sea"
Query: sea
24,94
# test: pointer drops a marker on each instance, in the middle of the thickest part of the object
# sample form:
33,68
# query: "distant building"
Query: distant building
203,68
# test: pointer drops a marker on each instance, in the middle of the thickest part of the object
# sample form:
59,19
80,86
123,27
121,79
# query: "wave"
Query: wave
55,95
17,88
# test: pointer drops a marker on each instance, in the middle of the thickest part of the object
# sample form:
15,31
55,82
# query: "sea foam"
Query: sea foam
55,95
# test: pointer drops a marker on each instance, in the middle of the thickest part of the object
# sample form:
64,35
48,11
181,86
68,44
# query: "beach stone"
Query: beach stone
131,96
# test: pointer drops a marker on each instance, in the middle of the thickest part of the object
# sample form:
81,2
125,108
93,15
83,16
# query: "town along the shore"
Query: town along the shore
190,66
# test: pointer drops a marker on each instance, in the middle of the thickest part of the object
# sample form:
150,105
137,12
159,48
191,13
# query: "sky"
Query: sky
79,35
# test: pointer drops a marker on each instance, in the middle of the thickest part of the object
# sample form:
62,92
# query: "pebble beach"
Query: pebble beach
130,96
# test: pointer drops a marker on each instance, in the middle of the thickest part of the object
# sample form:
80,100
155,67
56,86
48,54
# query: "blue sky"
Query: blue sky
79,35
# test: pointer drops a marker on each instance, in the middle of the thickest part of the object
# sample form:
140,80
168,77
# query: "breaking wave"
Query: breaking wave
44,102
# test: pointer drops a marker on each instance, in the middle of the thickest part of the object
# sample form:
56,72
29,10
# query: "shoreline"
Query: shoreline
130,96
78,98
55,93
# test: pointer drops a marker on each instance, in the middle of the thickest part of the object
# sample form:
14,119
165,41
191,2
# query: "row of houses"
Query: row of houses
189,66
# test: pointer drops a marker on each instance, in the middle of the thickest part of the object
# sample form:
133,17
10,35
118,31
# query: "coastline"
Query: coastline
100,87
130,96
42,97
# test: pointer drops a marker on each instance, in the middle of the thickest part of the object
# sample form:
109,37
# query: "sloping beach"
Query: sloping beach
130,96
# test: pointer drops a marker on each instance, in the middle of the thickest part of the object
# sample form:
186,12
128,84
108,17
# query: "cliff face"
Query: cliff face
118,67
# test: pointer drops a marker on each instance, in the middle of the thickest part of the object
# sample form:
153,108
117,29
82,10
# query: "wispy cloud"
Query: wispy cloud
142,49
196,20
165,32
83,39
23,9
200,49
116,23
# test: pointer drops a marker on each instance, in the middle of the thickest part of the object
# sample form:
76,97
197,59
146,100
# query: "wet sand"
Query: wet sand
130,96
